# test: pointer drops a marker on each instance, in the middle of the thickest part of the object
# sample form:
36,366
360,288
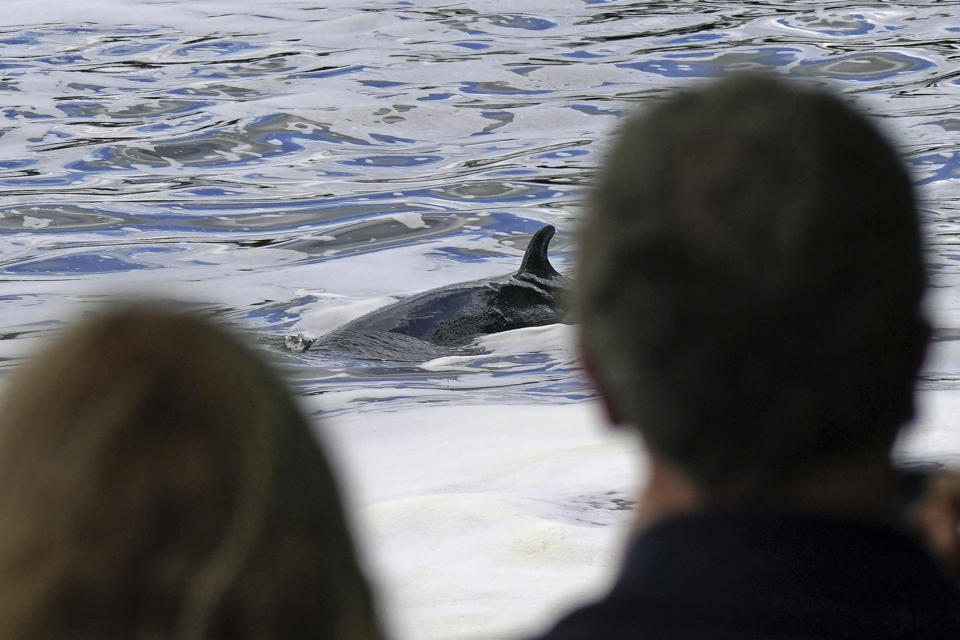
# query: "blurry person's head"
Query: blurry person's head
158,481
750,284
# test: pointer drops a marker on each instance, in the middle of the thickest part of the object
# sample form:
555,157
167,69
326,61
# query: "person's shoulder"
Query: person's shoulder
635,618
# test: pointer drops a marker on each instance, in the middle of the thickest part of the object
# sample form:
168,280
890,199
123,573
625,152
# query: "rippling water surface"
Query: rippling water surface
283,163
288,165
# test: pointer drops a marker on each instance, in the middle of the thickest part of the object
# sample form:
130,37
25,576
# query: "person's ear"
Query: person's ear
593,374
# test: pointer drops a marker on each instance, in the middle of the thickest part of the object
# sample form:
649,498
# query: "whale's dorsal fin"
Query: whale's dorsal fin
535,260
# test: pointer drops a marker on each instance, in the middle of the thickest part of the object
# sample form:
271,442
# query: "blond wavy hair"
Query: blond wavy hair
158,481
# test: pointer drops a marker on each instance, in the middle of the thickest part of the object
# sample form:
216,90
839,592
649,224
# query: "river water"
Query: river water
288,165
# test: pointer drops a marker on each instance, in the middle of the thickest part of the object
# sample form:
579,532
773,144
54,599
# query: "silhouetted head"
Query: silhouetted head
158,481
750,282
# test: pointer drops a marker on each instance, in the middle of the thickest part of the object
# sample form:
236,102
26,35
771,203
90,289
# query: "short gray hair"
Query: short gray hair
750,280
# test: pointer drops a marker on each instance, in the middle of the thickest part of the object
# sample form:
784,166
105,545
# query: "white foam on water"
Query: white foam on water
935,435
485,521
554,339
410,219
31,222
318,320
545,338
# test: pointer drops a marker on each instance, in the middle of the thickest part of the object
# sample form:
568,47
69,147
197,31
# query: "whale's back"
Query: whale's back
454,316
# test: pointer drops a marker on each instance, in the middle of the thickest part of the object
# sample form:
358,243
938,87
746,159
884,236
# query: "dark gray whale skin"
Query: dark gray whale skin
441,321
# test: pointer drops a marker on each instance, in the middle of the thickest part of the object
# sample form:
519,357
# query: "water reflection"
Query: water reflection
864,67
259,163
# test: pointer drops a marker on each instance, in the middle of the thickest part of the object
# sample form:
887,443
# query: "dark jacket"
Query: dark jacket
751,575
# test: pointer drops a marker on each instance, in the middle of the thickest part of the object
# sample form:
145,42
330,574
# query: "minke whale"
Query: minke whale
443,320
